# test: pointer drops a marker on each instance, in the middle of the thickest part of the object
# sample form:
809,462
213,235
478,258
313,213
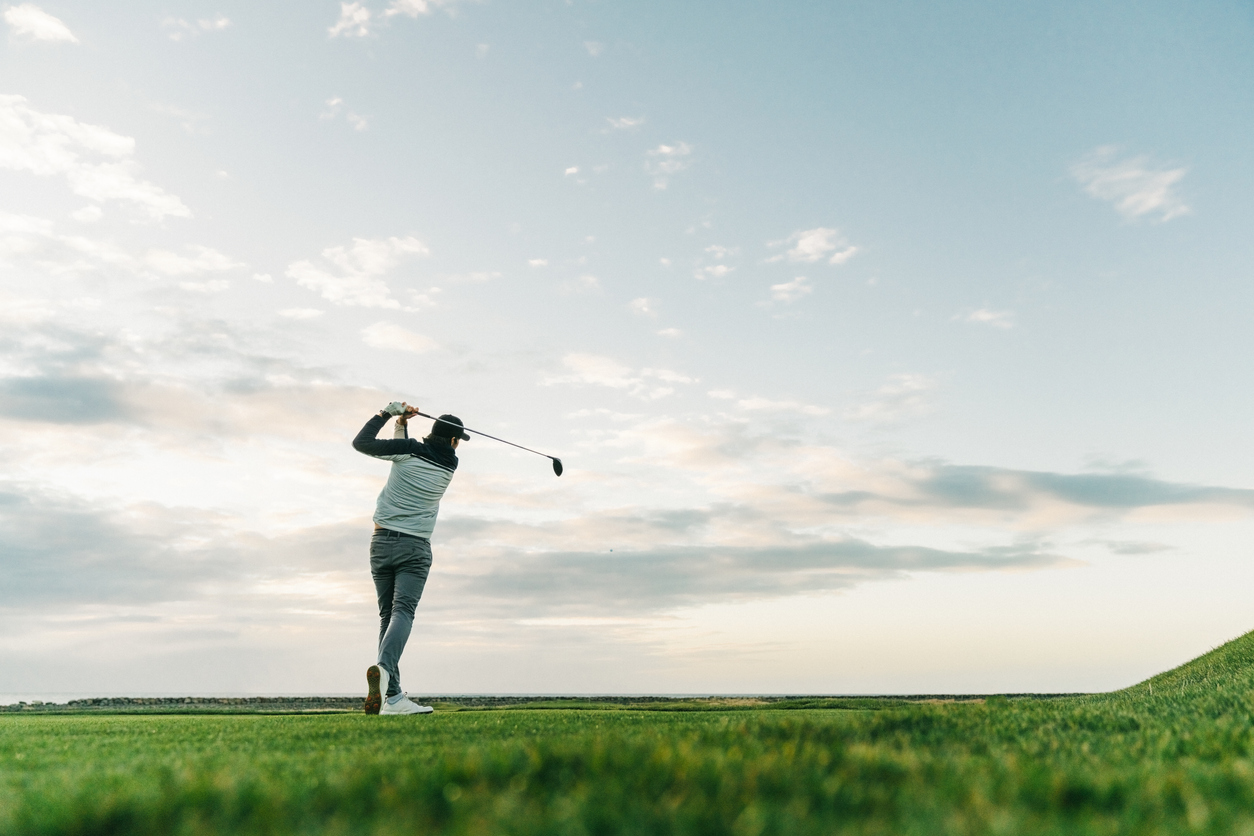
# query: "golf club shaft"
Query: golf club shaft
494,438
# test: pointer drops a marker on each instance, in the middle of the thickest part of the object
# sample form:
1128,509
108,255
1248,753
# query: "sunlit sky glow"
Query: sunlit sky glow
890,347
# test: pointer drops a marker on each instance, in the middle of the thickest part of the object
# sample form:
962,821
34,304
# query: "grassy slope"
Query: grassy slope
1178,761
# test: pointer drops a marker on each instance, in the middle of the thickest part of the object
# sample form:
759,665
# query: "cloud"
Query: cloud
1135,187
64,398
670,333
595,370
665,161
354,21
87,215
335,106
35,243
644,307
758,404
587,283
474,277
902,396
661,578
95,161
358,21
812,245
202,260
391,337
30,21
990,317
941,486
101,559
211,286
715,271
791,291
537,262
178,29
625,123
301,313
413,8
423,301
594,48
698,510
360,268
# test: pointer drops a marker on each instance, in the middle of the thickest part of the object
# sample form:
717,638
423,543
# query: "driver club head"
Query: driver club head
557,466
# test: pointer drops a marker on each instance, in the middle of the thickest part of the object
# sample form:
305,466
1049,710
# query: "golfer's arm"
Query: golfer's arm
367,443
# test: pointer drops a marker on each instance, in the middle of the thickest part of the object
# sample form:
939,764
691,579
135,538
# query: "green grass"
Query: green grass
1176,761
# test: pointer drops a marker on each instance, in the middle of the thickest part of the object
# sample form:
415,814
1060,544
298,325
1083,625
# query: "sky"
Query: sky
890,347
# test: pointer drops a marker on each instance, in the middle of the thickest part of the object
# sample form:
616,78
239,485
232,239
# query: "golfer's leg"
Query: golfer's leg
383,572
412,569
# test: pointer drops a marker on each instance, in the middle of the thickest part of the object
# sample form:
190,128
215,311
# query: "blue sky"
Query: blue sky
889,346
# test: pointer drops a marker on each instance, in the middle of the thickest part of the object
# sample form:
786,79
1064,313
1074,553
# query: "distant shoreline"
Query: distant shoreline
350,704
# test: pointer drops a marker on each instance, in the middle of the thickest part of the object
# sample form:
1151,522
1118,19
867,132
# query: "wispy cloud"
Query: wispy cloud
392,337
29,21
335,106
902,396
179,29
594,48
414,8
754,403
200,260
791,291
625,123
659,578
354,21
1135,186
586,283
37,245
712,271
990,317
808,246
665,161
596,370
717,253
357,20
360,269
96,163
644,307
301,313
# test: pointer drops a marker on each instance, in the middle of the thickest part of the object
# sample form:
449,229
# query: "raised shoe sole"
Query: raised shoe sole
374,699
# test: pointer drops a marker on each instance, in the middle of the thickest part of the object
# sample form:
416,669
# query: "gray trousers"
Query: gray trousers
399,564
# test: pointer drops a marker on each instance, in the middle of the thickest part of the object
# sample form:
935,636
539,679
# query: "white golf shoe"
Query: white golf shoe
404,706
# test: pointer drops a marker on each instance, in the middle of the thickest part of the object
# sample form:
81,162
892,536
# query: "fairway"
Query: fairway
1171,755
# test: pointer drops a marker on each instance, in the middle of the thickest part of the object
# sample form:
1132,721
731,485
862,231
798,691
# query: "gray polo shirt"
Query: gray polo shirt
421,472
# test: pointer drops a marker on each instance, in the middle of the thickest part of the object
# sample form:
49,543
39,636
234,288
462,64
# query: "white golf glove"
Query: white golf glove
395,408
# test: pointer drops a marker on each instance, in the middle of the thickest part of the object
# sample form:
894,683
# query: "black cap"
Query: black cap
449,426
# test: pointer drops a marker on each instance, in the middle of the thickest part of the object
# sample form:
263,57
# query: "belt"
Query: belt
387,532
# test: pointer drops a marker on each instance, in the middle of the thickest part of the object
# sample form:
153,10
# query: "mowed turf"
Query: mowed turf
1177,760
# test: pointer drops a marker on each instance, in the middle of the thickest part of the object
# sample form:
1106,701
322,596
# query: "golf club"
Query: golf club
557,463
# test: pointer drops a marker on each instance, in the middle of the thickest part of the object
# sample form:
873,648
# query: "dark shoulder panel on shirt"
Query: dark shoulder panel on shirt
439,454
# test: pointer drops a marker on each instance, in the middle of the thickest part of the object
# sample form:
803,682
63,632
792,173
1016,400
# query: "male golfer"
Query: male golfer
400,551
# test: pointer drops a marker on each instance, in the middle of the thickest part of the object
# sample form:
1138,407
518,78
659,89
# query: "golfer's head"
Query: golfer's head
449,428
